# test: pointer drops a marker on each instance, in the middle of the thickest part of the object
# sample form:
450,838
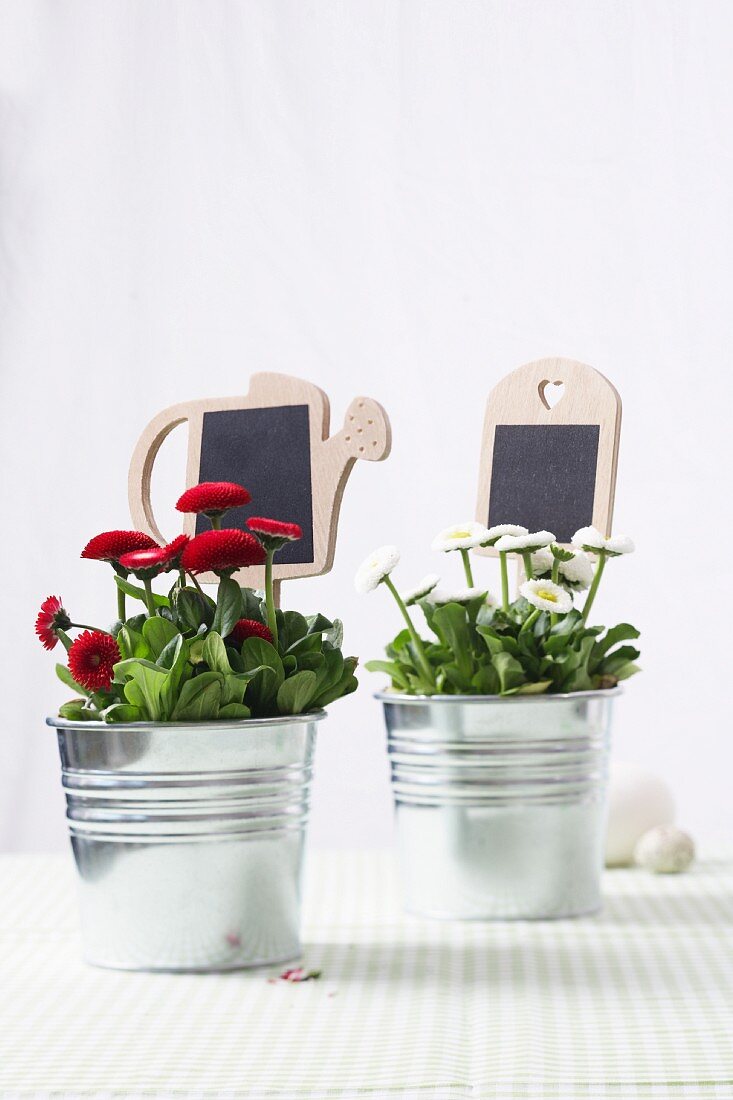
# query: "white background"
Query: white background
403,199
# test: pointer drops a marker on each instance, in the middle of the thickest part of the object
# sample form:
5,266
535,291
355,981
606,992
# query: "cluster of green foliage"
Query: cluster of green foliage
481,650
182,665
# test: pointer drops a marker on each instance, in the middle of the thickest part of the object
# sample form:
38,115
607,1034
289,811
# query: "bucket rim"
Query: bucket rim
212,725
504,700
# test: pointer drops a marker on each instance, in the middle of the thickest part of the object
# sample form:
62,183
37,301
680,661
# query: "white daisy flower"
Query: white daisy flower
547,596
439,596
578,572
520,544
589,538
501,529
462,536
426,585
542,562
375,568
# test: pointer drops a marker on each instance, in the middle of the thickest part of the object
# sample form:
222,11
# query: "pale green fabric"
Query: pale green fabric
634,1003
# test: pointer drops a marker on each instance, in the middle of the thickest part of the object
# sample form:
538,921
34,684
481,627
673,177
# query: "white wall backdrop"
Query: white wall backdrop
405,198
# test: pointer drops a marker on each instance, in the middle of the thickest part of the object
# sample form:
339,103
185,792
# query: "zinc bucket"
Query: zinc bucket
188,839
500,803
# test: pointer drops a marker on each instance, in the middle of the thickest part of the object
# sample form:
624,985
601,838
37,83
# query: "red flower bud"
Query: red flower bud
149,563
51,618
275,529
111,545
213,498
222,552
249,628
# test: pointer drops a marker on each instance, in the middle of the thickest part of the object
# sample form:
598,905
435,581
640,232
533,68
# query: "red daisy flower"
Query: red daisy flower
92,658
275,529
51,617
249,628
213,498
149,563
111,545
222,552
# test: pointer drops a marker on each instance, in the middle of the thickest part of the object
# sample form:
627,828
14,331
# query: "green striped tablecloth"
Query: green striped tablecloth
636,1002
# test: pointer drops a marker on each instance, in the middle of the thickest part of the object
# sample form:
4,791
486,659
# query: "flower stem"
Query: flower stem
86,626
416,639
121,612
594,586
555,580
149,601
196,585
504,580
216,522
530,620
467,567
527,559
270,597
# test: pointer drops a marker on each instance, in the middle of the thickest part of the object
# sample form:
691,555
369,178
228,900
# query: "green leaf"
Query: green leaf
149,681
139,593
214,653
309,643
335,636
486,680
625,671
132,644
318,624
234,710
199,699
234,687
263,665
510,672
228,607
556,644
191,609
346,685
179,673
257,652
312,662
456,679
537,688
157,633
66,678
123,712
623,632
170,651
252,606
451,621
291,627
332,669
76,711
621,656
295,694
393,670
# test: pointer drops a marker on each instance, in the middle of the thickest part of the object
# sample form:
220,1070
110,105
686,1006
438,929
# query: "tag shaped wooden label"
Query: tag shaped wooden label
550,450
275,442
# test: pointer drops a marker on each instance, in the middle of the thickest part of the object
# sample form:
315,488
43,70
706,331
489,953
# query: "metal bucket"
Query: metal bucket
188,839
500,802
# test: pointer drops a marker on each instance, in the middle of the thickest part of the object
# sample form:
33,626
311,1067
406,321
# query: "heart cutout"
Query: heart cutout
550,393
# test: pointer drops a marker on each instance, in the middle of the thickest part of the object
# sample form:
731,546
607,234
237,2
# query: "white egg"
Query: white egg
666,850
637,802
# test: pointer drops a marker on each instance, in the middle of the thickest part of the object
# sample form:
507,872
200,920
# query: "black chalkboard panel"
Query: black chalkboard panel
544,476
268,451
